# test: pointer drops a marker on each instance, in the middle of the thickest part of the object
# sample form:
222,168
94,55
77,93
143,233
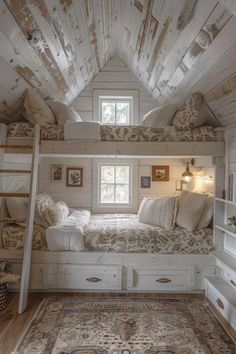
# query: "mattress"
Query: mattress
13,237
94,131
124,233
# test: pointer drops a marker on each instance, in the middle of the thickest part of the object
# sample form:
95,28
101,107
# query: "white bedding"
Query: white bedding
68,235
82,131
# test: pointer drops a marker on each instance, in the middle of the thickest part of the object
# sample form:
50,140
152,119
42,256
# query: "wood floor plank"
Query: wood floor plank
15,324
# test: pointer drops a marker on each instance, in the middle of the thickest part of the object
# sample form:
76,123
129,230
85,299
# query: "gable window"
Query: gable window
116,110
115,185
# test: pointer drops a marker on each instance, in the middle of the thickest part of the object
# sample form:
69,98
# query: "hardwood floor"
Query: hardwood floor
12,325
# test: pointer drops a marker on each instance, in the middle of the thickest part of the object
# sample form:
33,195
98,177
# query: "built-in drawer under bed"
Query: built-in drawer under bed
123,233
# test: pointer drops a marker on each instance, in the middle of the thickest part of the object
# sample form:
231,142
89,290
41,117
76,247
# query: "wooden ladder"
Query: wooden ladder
31,211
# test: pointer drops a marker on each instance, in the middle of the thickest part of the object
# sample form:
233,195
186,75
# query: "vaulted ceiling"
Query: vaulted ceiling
173,47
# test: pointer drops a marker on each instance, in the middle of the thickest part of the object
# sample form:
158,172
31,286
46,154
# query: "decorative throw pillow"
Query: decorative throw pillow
158,211
63,209
190,208
52,215
207,214
64,112
194,113
18,208
43,201
159,117
37,111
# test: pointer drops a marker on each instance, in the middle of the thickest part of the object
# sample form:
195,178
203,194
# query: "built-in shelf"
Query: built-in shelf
225,260
225,201
226,228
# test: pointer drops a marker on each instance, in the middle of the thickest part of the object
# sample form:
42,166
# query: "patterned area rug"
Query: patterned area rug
131,324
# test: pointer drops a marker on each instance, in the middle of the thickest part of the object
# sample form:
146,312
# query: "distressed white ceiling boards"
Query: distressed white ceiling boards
174,47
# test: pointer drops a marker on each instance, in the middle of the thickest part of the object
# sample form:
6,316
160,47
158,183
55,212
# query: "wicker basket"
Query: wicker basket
3,296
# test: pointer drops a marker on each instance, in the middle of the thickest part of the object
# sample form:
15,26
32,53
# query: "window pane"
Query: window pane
108,112
107,193
122,113
122,194
107,174
122,174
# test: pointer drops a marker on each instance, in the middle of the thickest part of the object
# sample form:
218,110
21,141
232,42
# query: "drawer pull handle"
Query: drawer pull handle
163,280
94,279
220,303
232,282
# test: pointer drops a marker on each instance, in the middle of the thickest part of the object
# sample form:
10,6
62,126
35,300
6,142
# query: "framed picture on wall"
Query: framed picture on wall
56,173
74,177
160,173
145,182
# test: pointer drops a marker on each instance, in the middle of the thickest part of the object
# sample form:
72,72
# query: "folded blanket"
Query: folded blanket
68,235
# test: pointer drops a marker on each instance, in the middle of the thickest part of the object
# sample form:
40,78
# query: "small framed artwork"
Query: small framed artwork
160,173
74,177
56,173
145,182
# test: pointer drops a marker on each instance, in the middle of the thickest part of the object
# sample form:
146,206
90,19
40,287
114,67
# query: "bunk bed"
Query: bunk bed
118,269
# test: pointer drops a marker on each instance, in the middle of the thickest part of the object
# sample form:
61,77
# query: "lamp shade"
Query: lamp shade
187,175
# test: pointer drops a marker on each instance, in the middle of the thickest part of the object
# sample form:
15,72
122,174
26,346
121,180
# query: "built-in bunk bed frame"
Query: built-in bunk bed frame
63,270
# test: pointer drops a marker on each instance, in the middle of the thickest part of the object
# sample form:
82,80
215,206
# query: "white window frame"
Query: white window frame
116,205
117,94
115,208
116,99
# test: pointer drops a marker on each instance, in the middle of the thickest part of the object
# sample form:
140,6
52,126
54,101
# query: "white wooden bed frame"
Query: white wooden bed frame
121,271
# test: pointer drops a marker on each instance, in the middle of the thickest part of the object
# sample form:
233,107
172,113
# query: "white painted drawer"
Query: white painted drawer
230,277
161,279
223,297
87,277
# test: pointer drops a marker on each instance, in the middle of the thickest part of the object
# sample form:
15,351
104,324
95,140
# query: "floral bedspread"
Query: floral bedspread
124,233
116,133
13,237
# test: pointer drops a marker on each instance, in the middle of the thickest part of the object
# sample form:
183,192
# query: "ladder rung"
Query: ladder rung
11,220
5,146
14,194
15,171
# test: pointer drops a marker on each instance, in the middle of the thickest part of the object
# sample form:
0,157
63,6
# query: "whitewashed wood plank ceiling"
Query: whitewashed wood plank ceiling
173,48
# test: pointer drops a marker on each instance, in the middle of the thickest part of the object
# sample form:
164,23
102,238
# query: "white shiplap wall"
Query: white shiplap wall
83,196
114,76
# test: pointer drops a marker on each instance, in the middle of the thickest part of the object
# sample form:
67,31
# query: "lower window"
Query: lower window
115,185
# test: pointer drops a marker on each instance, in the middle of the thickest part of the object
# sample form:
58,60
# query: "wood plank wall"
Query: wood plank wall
114,76
82,197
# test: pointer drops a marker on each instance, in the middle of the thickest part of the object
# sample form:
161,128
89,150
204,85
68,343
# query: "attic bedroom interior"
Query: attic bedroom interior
118,176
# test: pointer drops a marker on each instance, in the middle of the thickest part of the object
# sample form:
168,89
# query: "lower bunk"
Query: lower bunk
114,252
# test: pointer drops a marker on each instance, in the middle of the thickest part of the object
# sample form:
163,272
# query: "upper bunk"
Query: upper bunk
112,141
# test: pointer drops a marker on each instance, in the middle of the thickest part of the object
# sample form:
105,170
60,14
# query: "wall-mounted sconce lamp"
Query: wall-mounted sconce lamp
187,175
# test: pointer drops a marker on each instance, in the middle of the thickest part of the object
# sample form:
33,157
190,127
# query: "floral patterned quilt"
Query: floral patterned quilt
13,237
116,133
124,233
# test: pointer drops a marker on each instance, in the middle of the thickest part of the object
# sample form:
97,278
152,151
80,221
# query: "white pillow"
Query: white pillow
190,208
207,214
37,111
64,113
158,211
63,209
159,117
17,208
